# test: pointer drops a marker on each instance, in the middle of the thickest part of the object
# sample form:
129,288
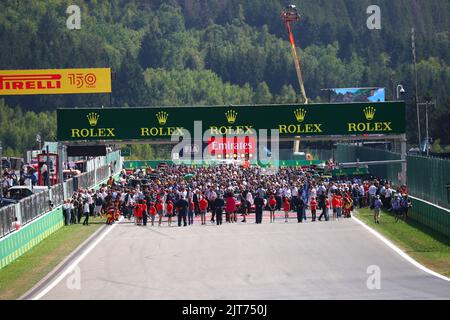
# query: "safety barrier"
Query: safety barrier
38,204
7,215
102,173
38,218
34,206
427,179
57,194
430,215
69,188
17,243
85,180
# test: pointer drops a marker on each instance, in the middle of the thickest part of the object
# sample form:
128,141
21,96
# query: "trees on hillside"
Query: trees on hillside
229,52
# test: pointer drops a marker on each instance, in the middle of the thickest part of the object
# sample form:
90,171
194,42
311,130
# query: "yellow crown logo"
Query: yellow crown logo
162,117
369,112
300,114
93,118
231,116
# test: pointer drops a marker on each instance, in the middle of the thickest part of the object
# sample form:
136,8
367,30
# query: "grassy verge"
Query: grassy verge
25,272
423,244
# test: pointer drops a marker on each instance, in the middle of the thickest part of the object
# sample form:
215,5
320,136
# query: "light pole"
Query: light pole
400,90
426,104
413,44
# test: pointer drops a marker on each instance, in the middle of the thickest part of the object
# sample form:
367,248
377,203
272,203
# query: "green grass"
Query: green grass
423,244
25,272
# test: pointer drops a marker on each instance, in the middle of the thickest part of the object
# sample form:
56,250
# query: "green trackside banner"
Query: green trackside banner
291,120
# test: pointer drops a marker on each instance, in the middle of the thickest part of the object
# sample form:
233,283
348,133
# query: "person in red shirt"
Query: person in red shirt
286,208
152,212
230,208
191,212
138,213
366,195
339,207
272,207
160,210
334,205
313,207
203,207
169,210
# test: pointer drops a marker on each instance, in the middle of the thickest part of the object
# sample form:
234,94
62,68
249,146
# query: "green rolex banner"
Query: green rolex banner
291,120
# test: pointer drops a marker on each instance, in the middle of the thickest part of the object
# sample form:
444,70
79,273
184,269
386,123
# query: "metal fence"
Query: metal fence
428,178
34,206
85,180
102,174
436,218
69,188
57,194
7,215
38,204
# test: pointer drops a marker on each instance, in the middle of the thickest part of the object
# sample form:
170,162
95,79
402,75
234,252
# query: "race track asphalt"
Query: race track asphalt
320,260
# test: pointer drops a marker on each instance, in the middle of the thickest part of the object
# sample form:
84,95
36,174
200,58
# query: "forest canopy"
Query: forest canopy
205,52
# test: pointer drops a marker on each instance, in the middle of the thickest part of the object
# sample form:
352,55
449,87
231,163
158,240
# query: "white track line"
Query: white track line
403,254
72,266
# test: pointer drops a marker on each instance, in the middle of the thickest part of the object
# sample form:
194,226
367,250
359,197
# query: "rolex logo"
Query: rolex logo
93,118
369,112
231,116
300,114
162,117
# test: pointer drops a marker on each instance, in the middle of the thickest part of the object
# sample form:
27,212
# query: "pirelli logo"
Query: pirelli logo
30,82
58,81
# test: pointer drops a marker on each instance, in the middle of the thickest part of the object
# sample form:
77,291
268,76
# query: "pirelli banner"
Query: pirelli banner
57,81
385,118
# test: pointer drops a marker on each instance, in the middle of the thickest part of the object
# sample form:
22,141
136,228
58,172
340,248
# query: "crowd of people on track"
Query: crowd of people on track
183,193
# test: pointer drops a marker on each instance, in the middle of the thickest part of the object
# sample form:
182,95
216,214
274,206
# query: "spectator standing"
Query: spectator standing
259,205
86,213
376,209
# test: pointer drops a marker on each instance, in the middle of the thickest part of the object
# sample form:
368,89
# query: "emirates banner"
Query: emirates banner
55,81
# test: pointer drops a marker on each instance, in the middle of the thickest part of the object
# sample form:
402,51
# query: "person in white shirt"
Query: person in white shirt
86,213
44,172
66,212
372,193
388,197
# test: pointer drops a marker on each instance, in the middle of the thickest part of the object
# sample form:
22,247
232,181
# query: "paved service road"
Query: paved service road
321,260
